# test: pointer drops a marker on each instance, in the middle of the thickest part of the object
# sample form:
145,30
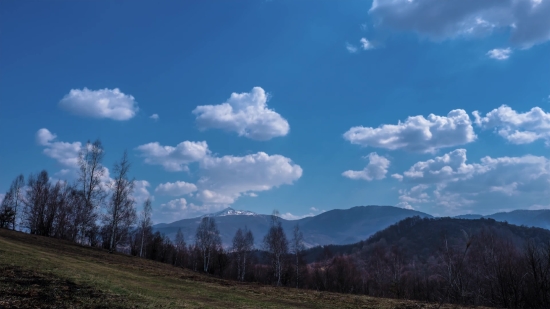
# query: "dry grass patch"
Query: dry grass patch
41,272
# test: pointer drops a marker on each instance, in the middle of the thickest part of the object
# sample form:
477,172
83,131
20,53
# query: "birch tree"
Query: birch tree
276,245
243,243
145,224
121,213
89,183
297,247
207,240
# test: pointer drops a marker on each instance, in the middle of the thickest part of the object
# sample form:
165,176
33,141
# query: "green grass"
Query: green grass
43,272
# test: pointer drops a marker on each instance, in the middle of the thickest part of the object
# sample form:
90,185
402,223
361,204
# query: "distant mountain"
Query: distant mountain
338,226
532,218
535,218
231,212
420,238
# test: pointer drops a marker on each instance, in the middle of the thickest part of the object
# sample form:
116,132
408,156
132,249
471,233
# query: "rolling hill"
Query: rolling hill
42,272
334,227
337,226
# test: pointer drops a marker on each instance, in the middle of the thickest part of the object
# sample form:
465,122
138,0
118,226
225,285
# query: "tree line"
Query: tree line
91,211
489,265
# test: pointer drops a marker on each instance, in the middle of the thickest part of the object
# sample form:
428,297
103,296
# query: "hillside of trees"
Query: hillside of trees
444,260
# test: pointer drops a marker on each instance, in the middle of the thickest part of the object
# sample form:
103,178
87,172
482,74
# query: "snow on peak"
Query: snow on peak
231,212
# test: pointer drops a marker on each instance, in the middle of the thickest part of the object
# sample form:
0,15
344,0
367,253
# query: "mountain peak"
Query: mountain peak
230,212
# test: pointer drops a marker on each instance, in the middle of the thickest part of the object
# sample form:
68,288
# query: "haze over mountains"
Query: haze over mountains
337,226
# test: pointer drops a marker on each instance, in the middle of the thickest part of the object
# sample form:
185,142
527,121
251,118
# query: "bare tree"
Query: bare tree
276,244
121,213
207,240
181,248
91,171
36,202
12,201
297,247
7,213
243,243
145,223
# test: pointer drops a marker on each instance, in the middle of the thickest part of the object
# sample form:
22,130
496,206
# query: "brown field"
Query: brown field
41,272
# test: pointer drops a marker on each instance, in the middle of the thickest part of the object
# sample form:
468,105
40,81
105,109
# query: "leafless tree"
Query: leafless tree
36,202
207,240
7,213
91,171
121,213
243,243
181,248
12,200
145,223
276,245
297,247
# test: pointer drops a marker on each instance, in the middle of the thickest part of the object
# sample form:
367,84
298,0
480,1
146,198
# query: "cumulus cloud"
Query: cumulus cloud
224,179
141,193
181,208
366,44
155,117
64,153
103,103
451,185
499,53
244,113
177,188
174,158
352,49
417,134
517,128
376,169
221,180
527,20
289,216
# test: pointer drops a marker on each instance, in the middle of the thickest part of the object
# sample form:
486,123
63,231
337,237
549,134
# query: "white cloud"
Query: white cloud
103,103
141,193
376,169
155,117
352,49
527,20
397,176
314,209
244,113
364,27
451,186
181,208
224,179
499,53
289,216
65,153
174,158
404,205
417,134
366,44
177,188
517,128
179,204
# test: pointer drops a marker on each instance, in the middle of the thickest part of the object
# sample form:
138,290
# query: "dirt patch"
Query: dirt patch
21,288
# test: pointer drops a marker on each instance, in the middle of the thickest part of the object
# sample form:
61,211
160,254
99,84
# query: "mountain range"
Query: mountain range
337,226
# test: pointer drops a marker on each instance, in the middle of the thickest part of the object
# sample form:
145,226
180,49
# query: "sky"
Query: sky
300,106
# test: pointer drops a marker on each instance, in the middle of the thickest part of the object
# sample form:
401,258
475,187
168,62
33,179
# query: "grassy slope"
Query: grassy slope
51,273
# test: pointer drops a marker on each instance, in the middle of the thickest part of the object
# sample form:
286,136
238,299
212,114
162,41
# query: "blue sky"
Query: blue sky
302,106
